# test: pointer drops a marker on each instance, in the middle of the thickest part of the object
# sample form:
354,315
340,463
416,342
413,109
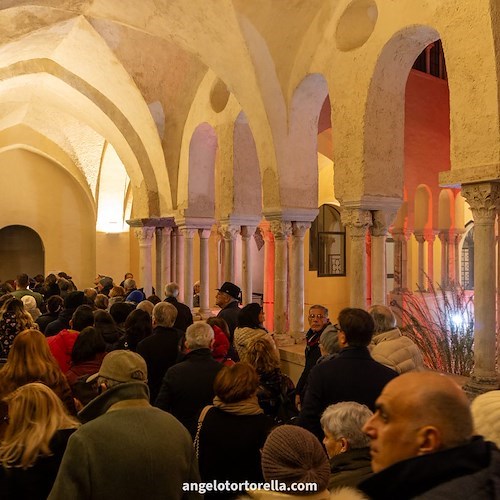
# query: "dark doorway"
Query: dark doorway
21,251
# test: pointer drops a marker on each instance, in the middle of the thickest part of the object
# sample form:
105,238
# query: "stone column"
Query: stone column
145,236
381,221
204,273
188,236
268,275
281,231
451,257
229,233
358,221
443,236
419,236
398,251
404,259
179,277
457,237
430,237
296,288
247,233
173,257
163,257
484,201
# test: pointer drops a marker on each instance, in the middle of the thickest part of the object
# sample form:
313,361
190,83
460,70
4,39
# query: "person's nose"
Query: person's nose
369,428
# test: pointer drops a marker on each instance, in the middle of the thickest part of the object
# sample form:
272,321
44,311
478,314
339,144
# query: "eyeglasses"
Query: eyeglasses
317,316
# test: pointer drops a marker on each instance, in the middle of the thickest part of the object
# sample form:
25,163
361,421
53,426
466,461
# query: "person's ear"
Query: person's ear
345,445
342,339
71,324
429,440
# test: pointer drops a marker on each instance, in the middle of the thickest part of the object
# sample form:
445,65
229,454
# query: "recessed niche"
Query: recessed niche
219,95
356,24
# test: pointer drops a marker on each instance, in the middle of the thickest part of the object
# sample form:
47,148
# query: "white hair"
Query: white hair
345,420
199,335
172,289
164,314
383,318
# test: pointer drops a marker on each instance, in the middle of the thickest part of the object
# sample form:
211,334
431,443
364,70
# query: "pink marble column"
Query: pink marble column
247,233
268,275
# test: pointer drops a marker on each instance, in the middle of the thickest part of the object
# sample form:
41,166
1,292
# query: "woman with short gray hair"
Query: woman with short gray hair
346,444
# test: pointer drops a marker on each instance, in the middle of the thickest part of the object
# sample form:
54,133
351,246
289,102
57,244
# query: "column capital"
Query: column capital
484,201
144,234
357,220
400,234
229,231
188,232
247,231
204,233
419,236
281,229
382,219
299,228
429,235
444,236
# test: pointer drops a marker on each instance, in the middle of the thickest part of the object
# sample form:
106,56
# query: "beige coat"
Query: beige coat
396,351
244,336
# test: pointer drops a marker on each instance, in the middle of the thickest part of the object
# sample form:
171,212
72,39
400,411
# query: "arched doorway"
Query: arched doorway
21,251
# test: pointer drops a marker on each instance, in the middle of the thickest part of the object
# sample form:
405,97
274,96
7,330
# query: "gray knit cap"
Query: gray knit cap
292,454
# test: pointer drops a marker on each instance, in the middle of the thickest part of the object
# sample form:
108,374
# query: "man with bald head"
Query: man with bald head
422,443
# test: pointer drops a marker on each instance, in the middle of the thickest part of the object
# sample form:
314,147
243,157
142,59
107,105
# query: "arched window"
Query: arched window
327,243
467,265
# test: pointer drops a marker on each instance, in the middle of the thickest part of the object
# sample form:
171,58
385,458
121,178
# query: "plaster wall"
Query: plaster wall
112,255
43,196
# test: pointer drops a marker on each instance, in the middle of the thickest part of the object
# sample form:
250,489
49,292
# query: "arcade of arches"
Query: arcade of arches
195,140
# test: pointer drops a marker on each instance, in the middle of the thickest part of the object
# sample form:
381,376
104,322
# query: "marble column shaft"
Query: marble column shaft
296,288
229,233
484,201
188,234
145,236
357,221
163,258
179,275
281,231
204,273
429,238
419,236
381,221
247,233
443,236
268,275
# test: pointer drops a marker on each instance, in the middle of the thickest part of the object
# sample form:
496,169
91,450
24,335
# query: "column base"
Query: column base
298,337
480,384
283,339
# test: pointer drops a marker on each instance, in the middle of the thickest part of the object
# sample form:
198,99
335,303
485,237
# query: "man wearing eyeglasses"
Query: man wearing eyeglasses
318,323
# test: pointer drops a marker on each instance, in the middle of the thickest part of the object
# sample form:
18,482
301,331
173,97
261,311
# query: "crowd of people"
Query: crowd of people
107,393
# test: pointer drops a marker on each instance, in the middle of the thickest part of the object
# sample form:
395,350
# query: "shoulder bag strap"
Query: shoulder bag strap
198,429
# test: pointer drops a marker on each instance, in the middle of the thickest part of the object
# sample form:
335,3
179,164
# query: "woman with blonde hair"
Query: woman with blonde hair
276,392
34,442
13,319
30,360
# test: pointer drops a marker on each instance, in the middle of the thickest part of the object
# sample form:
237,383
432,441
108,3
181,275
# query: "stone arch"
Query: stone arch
128,122
383,141
423,208
21,251
301,148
